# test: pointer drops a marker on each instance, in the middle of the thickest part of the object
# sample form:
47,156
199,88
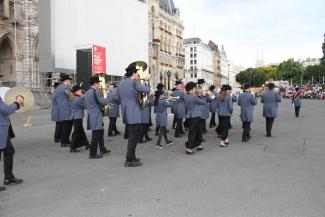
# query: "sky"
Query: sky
280,29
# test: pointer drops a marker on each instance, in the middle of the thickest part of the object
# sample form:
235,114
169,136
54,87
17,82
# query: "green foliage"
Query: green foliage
291,69
253,76
271,72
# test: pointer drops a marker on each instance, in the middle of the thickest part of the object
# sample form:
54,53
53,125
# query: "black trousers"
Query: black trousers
246,129
201,128
162,133
145,129
194,133
179,127
134,135
112,126
218,129
204,126
97,139
79,137
126,132
224,125
186,123
8,160
297,111
57,132
66,128
213,120
174,122
269,125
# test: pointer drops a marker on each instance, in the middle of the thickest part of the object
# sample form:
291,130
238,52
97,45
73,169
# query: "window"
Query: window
195,55
195,75
191,68
195,61
191,62
191,49
195,49
191,55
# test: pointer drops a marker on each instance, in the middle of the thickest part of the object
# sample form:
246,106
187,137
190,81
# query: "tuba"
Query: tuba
144,76
9,96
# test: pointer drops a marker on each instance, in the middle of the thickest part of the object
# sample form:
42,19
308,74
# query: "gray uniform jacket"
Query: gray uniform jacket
94,114
247,101
205,108
270,99
5,111
128,91
146,111
193,107
225,108
161,115
178,106
62,100
114,108
77,107
213,104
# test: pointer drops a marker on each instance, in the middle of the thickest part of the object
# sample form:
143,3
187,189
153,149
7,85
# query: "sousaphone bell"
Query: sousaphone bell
9,96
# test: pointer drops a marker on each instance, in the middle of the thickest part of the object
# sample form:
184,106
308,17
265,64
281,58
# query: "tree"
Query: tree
254,77
291,69
312,73
271,72
243,77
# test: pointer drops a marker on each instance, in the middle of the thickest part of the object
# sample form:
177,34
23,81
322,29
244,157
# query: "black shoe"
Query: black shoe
65,145
87,147
117,133
167,131
169,143
95,156
156,134
268,135
244,140
110,134
200,148
105,152
177,136
137,160
74,151
2,188
12,181
183,133
133,164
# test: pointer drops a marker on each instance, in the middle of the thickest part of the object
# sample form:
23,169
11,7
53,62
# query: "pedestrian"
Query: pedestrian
6,134
246,101
202,90
94,104
129,91
296,101
193,113
213,107
162,119
79,138
225,110
179,108
114,112
62,100
270,100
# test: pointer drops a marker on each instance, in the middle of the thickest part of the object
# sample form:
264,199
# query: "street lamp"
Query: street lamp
228,75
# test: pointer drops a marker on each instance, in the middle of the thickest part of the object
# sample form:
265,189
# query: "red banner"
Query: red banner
99,60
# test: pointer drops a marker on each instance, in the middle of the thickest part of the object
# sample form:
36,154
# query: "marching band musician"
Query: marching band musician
55,115
160,89
179,108
61,99
193,113
162,119
79,137
225,109
213,107
114,112
127,94
6,134
296,101
270,100
94,103
246,101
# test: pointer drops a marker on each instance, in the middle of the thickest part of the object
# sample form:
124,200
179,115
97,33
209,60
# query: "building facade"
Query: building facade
19,53
216,64
166,49
198,61
310,61
224,66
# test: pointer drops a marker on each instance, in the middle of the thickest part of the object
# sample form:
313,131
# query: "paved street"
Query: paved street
283,176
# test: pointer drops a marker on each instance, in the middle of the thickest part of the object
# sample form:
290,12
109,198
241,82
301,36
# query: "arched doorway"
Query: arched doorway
7,63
